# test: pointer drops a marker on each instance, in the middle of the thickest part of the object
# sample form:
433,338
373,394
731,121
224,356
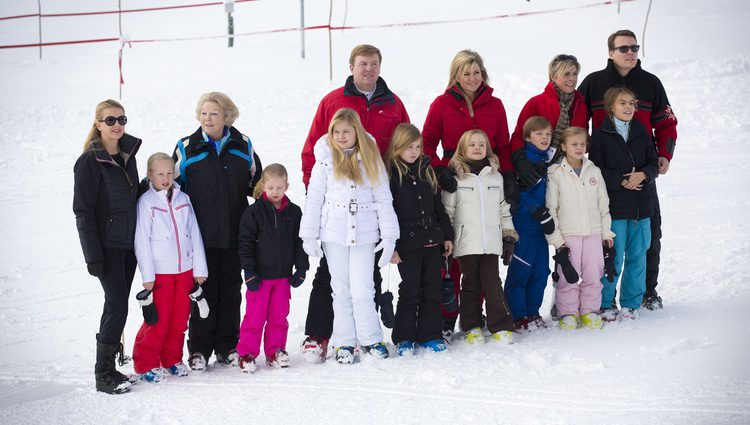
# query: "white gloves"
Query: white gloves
312,247
388,247
196,294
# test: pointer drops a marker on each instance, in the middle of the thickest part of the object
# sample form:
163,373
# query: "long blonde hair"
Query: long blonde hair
269,171
458,162
94,133
463,60
404,135
346,166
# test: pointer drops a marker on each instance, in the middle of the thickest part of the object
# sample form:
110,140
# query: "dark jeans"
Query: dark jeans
481,274
119,268
653,256
319,322
418,315
221,329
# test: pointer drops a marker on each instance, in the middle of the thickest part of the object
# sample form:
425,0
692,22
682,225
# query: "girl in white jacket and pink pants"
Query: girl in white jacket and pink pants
577,200
349,208
170,254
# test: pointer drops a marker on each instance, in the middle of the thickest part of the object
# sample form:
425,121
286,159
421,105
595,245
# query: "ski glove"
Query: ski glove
388,247
312,248
297,278
528,175
146,300
446,179
196,294
609,263
563,259
511,190
385,302
509,246
252,281
543,217
449,302
96,268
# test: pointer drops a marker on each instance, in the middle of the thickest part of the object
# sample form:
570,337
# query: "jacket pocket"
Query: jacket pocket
117,229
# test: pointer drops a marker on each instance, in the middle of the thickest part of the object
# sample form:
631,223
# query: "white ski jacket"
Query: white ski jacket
578,204
479,213
167,238
344,212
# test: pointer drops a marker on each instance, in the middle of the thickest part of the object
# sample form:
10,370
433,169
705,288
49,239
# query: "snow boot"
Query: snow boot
229,359
153,376
345,355
652,301
569,322
278,360
197,362
108,379
449,325
629,314
434,345
377,350
475,336
608,314
536,322
315,349
247,364
591,320
405,348
503,337
179,369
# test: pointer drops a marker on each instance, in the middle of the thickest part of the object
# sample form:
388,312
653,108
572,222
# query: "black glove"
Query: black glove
96,268
543,217
541,168
196,294
385,302
609,263
527,173
509,246
146,300
446,179
252,281
511,190
563,259
450,303
297,278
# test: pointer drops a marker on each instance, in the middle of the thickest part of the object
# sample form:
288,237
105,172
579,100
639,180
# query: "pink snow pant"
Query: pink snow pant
162,343
267,307
587,257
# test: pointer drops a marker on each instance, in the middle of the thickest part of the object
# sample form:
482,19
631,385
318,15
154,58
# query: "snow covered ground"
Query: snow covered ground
686,364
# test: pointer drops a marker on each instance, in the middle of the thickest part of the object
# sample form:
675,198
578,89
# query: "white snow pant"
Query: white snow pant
354,316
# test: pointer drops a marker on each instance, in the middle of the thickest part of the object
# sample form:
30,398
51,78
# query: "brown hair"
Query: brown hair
462,60
231,112
458,162
535,123
364,50
404,135
620,33
94,133
572,132
270,170
611,95
347,166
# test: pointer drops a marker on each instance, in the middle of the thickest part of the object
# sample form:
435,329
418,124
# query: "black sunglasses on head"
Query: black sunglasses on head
110,120
624,49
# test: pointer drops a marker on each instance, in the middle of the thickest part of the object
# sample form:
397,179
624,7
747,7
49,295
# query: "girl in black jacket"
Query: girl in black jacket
626,155
104,202
425,231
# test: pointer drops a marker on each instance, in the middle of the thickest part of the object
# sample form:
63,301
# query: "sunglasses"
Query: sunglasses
624,49
566,58
110,120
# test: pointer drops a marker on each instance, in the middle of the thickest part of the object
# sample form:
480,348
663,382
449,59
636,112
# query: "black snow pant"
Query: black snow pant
653,256
119,269
319,322
220,331
418,315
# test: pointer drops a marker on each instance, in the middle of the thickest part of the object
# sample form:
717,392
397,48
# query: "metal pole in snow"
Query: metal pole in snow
330,43
119,56
229,8
39,9
643,36
302,25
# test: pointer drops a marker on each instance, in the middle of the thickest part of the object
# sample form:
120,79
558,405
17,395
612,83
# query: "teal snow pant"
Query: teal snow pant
631,243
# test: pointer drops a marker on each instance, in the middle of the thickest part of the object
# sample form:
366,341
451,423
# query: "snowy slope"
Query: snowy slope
686,364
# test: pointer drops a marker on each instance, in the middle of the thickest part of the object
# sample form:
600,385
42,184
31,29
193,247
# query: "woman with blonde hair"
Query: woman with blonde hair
104,202
468,103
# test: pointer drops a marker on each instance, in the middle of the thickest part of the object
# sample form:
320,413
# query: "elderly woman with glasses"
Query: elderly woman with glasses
217,166
560,104
104,202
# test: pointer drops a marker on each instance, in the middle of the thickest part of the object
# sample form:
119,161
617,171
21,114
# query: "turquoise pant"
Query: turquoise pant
631,243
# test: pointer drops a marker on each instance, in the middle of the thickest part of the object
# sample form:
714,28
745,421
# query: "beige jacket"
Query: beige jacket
578,204
479,213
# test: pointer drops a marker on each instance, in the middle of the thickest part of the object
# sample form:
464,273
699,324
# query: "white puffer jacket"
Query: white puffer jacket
578,204
167,238
479,213
344,212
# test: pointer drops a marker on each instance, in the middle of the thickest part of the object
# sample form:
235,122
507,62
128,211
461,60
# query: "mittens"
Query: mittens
563,259
146,300
312,248
388,247
545,219
196,294
297,278
449,302
609,263
385,302
509,246
446,179
252,281
96,268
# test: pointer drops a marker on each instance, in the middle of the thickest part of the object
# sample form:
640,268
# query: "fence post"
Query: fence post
302,25
39,10
229,8
330,43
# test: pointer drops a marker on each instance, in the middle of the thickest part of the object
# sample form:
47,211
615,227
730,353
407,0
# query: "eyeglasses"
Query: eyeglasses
110,120
624,49
566,58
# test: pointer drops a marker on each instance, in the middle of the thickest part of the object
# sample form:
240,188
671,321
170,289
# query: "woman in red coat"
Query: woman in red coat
560,104
467,104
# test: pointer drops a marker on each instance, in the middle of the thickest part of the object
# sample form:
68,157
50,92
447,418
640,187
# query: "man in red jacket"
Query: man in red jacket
381,111
654,112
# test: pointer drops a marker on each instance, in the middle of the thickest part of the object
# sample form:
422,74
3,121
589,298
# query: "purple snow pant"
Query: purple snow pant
269,307
587,257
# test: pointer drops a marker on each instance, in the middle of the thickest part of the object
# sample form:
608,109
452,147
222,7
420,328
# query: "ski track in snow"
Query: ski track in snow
686,364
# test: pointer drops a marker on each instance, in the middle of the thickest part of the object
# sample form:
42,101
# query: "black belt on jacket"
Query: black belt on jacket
425,221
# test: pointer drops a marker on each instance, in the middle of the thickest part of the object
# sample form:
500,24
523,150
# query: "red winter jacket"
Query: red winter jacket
380,117
448,118
547,105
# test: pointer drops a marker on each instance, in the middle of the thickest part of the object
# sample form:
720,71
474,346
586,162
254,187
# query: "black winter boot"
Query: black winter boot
108,379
